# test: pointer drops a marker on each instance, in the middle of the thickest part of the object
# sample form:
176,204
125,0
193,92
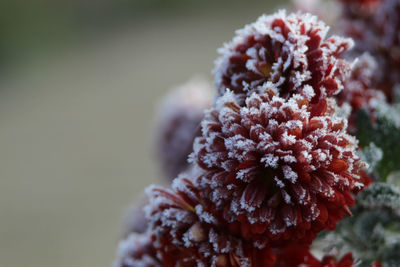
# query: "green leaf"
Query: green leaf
380,195
384,134
373,232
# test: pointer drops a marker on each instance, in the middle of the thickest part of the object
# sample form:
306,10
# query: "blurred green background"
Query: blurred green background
79,81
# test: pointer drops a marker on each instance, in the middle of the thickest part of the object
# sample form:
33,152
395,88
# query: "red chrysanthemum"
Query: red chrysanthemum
277,169
288,51
376,32
137,250
178,123
358,92
185,234
297,256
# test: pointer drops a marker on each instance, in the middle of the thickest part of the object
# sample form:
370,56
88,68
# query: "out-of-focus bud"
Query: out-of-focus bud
178,123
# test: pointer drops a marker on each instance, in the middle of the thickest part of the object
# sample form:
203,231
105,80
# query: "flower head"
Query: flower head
186,234
358,92
178,123
288,51
277,169
376,32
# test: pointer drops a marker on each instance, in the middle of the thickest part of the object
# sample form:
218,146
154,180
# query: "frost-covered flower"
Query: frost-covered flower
137,251
185,234
288,51
277,169
178,123
358,92
377,32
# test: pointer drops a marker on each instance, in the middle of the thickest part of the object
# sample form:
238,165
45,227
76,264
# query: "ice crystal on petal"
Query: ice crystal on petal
186,233
273,163
290,52
292,166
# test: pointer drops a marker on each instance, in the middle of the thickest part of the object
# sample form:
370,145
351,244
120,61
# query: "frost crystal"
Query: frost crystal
290,52
379,196
283,169
185,232
372,155
384,132
274,162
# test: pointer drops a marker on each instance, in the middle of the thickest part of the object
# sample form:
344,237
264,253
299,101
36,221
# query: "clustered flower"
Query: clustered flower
277,169
273,164
186,234
288,51
375,25
358,92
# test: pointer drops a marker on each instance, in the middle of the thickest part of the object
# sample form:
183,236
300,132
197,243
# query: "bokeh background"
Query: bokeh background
79,82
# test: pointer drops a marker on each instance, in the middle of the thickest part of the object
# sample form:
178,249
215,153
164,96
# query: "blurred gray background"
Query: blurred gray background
79,81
